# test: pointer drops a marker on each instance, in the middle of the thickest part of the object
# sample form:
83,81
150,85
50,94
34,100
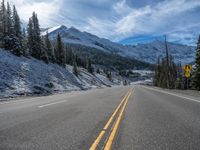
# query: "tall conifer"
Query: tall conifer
196,79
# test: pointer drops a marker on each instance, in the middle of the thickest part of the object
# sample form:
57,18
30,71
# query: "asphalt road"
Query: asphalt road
119,118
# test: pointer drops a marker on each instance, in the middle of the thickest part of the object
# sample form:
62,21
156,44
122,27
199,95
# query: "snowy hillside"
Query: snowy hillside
24,76
144,52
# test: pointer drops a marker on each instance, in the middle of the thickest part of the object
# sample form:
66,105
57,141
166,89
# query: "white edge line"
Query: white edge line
173,94
41,106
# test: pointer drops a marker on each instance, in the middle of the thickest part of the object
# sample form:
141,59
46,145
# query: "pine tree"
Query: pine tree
161,77
75,69
196,78
60,51
2,24
44,55
179,80
166,71
24,32
25,43
157,73
89,66
11,36
34,38
109,76
49,48
16,23
30,36
172,72
8,20
69,55
98,71
18,39
8,34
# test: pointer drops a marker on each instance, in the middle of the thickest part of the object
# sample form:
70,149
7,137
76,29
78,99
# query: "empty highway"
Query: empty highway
118,118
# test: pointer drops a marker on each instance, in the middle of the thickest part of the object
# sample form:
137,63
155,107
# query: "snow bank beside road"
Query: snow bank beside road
23,76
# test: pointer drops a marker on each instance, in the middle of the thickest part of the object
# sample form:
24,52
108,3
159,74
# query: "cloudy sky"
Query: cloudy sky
125,21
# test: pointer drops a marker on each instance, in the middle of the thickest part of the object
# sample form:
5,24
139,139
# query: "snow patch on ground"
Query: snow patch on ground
143,72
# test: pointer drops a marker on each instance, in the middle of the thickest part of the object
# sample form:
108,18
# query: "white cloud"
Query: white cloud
100,28
150,19
116,19
121,7
166,17
45,10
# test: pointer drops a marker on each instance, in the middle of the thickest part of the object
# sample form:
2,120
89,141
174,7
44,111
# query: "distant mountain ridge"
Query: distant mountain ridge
144,52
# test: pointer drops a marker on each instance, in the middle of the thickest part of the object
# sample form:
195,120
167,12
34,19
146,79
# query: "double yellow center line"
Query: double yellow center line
116,125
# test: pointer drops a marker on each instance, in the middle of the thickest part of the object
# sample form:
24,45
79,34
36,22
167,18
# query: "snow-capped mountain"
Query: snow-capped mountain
150,52
144,52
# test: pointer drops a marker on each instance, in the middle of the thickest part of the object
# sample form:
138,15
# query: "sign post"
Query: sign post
187,73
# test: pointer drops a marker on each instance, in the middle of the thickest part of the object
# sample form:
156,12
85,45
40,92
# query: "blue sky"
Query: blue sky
124,21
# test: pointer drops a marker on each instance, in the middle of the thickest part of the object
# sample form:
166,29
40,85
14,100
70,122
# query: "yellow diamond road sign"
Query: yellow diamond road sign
187,74
188,68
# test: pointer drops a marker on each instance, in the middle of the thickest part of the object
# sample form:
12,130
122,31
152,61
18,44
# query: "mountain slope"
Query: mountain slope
144,52
87,45
181,53
28,76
